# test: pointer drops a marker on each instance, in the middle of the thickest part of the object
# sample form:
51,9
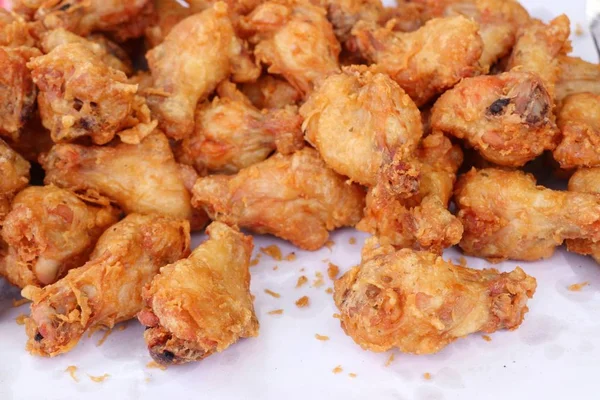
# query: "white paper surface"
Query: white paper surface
554,355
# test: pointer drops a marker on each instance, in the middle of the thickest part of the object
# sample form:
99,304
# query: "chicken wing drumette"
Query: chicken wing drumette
271,92
201,305
585,180
108,288
50,231
419,303
506,216
295,197
14,171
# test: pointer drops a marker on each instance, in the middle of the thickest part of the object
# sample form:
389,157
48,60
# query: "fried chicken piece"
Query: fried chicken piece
419,303
425,62
14,171
198,53
295,39
201,305
231,134
50,231
82,96
418,220
15,31
271,92
140,178
344,14
108,288
585,180
506,216
295,197
577,76
358,120
507,118
33,140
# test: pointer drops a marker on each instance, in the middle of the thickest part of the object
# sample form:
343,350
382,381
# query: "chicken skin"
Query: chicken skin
585,180
108,288
50,231
295,40
295,197
202,304
577,76
198,53
358,120
271,92
425,62
506,216
14,171
507,118
419,303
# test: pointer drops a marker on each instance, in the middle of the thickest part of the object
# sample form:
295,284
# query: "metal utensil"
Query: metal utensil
592,12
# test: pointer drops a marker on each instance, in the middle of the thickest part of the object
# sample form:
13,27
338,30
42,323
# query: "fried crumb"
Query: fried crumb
329,244
579,30
272,293
487,338
21,318
352,375
154,364
290,257
147,380
390,360
302,269
427,376
352,240
321,337
302,302
255,261
462,261
99,379
337,369
104,337
275,268
18,303
329,290
279,311
272,251
576,287
301,281
71,369
122,326
337,316
333,271
318,282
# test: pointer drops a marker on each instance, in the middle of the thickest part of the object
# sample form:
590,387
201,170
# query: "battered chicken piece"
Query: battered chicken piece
506,216
585,180
577,76
419,303
231,134
295,197
201,305
198,53
140,178
358,120
295,39
33,140
343,14
82,96
50,231
271,92
15,31
14,171
418,220
507,118
108,288
425,62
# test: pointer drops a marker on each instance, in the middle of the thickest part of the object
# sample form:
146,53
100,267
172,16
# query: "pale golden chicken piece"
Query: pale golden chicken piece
15,30
201,305
585,180
295,39
50,231
271,92
507,118
577,76
419,303
231,134
425,62
82,96
506,216
358,120
417,219
295,197
198,53
142,178
108,288
14,171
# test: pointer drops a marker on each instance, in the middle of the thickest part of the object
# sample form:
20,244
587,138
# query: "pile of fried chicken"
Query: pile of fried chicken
126,125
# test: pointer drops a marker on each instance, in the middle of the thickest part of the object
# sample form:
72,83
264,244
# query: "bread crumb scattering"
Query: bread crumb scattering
272,251
337,316
290,257
154,364
329,290
254,262
302,302
19,303
318,282
487,338
122,326
576,287
579,30
276,312
321,337
275,268
352,240
333,271
99,379
147,380
352,375
427,376
104,337
71,369
301,281
272,293
390,360
21,318
462,261
329,244
337,369
302,269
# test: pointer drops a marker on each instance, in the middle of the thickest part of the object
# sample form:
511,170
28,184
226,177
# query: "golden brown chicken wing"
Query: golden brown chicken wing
506,216
295,39
271,92
108,288
585,180
295,197
14,173
50,231
577,76
201,305
419,303
507,118
358,120
425,62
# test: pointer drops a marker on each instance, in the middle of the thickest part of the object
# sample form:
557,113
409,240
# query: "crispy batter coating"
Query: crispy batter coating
231,134
577,76
198,53
344,14
50,231
506,216
425,62
15,31
108,288
295,197
585,180
140,178
419,303
201,305
358,120
271,92
419,219
295,39
507,118
14,171
82,96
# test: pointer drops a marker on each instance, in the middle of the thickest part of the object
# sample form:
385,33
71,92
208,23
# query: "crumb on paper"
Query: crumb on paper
71,369
427,376
329,290
390,360
290,257
18,303
272,293
337,369
487,338
352,375
302,269
104,337
352,240
301,281
579,30
329,244
462,261
337,316
279,311
272,251
275,268
154,364
95,329
318,282
21,318
99,379
576,287
147,380
254,262
302,302
122,326
322,338
333,271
